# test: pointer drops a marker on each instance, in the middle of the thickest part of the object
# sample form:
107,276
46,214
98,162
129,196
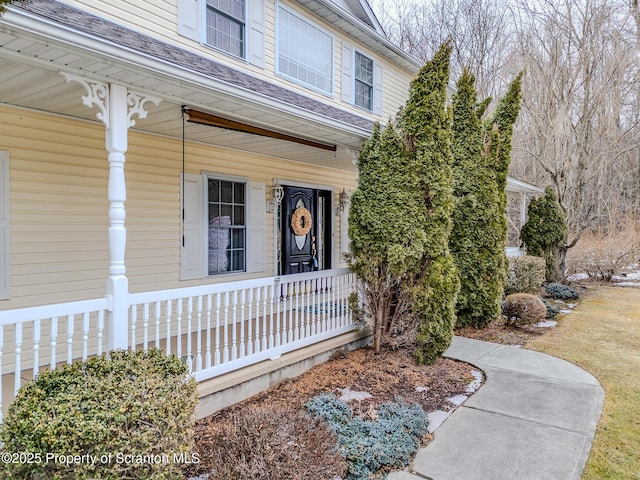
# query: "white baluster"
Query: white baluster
158,311
271,289
250,323
216,356
85,335
36,349
264,317
145,327
225,336
70,331
169,314
243,295
101,331
257,324
199,336
297,314
18,350
189,333
134,321
208,353
234,316
179,328
54,339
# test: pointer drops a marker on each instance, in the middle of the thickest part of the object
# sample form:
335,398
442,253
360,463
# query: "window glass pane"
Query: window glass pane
238,215
305,52
226,192
238,193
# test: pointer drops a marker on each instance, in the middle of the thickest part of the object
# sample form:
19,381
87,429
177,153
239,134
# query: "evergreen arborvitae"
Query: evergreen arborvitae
481,161
475,239
427,125
545,231
400,220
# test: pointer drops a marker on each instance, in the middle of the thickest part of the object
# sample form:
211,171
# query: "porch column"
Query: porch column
117,283
117,107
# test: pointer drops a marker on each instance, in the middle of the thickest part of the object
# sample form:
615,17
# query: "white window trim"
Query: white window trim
331,93
206,176
203,28
192,23
357,51
349,79
5,223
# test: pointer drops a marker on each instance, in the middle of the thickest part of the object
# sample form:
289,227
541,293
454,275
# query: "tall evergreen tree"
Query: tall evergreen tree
400,220
427,126
545,231
481,160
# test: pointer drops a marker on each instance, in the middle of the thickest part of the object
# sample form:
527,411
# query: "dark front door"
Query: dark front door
305,230
298,247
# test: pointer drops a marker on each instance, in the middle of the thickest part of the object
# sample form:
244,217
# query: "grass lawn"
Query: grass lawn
602,335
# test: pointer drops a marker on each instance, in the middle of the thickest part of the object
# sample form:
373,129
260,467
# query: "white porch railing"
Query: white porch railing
220,328
216,329
43,337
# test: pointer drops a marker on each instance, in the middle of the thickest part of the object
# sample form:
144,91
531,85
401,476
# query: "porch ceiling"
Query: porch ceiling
30,66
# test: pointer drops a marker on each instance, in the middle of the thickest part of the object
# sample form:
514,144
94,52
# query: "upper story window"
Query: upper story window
361,79
304,51
363,95
226,26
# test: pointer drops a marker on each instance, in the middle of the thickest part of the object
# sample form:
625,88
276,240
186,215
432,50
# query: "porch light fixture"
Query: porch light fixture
277,194
343,200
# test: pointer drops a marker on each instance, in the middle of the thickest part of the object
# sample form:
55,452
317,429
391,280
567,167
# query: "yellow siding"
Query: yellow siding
159,19
59,207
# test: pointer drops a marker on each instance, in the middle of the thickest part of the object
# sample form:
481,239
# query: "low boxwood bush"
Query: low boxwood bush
270,444
130,416
561,292
369,446
523,308
525,275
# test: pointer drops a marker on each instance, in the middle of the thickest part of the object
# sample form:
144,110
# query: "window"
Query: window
363,82
227,226
226,25
304,51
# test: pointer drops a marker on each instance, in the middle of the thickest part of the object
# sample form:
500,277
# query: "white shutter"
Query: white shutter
5,254
255,40
377,88
192,246
188,19
347,73
256,227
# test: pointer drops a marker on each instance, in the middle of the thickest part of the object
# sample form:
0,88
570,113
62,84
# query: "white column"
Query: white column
117,107
117,283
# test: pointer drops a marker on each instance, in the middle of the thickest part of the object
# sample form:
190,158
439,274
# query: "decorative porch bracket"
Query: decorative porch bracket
117,107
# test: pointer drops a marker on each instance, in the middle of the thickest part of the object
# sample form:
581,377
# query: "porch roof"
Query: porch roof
42,38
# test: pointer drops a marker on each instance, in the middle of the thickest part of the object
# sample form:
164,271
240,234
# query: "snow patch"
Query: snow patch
627,284
477,381
547,323
578,276
348,395
458,399
422,389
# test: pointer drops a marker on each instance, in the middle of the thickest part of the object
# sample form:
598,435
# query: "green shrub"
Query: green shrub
367,446
523,308
267,444
552,310
526,275
129,416
561,292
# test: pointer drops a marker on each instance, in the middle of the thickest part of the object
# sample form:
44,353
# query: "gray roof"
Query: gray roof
93,25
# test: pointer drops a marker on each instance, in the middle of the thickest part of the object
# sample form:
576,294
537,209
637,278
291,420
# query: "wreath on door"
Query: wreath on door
301,221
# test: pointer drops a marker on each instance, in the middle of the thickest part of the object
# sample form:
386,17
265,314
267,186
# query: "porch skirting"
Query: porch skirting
225,390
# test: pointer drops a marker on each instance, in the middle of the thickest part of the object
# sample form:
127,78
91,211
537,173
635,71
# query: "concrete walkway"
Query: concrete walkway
533,419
